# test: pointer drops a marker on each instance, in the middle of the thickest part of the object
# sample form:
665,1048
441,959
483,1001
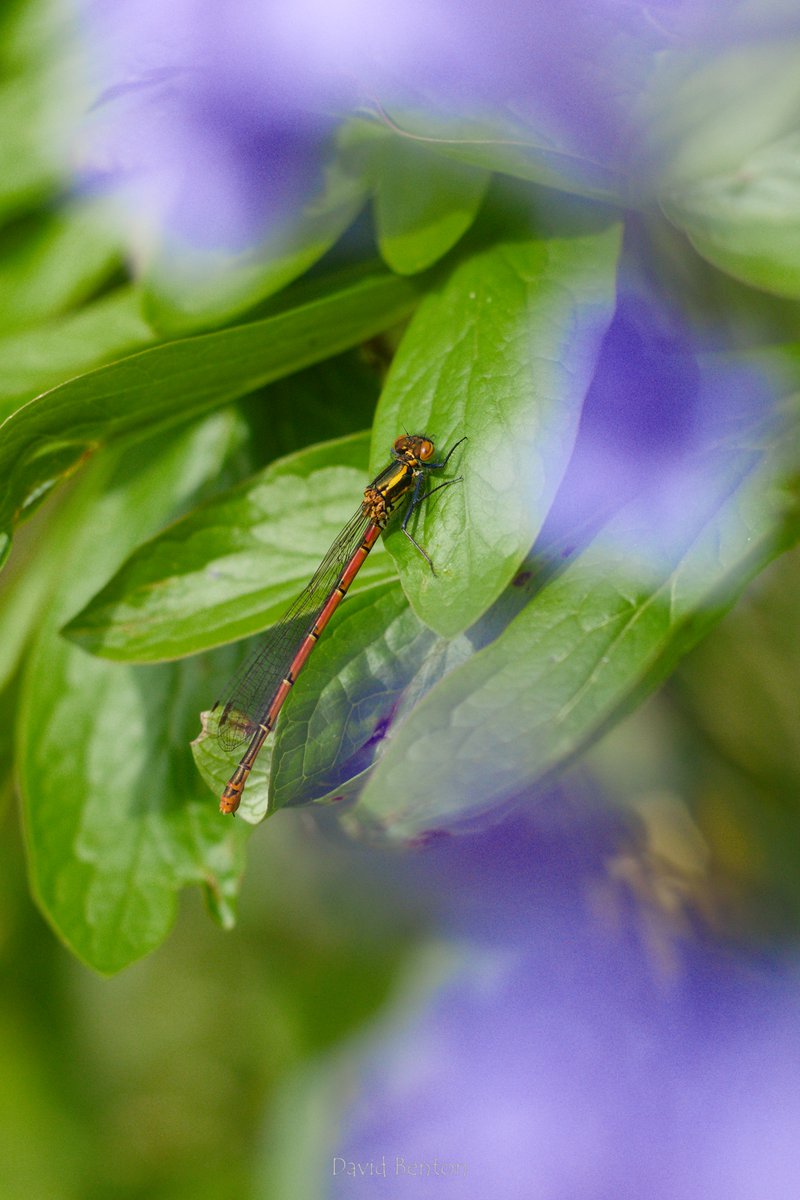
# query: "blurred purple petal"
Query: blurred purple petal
195,151
667,434
212,119
576,1065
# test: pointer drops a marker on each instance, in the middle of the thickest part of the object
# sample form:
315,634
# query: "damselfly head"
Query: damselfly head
414,445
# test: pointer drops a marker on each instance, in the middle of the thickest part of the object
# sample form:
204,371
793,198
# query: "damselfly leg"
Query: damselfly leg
249,712
418,496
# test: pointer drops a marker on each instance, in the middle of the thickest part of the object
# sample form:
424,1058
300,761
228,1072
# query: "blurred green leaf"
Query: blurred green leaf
587,647
307,1114
737,695
27,171
43,93
27,586
503,353
741,684
168,384
747,221
424,201
115,816
506,146
233,566
189,289
706,113
43,356
53,261
305,1131
8,708
31,583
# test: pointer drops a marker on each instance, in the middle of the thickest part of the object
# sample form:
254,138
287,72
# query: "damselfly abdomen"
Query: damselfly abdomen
261,687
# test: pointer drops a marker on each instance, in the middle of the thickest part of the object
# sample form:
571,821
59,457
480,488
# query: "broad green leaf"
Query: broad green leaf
55,261
190,289
503,354
232,567
116,818
31,583
42,356
423,203
586,647
747,221
171,383
374,663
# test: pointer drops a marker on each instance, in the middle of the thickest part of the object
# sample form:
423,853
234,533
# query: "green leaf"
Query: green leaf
330,400
9,706
232,567
217,765
190,289
424,201
374,663
741,685
705,113
506,146
503,353
27,171
116,818
747,221
170,384
53,262
45,355
30,584
590,643
27,586
43,94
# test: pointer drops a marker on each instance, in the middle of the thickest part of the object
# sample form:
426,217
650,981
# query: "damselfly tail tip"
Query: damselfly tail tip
229,801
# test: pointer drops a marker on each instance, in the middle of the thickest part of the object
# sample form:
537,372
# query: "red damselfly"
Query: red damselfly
261,687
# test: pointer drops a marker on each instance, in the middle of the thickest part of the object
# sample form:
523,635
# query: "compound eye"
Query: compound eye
401,444
425,450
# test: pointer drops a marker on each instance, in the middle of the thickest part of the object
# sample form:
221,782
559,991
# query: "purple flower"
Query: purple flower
575,1062
214,120
668,432
207,144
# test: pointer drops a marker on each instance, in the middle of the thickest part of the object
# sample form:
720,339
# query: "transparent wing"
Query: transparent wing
250,693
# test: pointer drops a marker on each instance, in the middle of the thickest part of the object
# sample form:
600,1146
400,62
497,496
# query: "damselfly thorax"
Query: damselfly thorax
260,689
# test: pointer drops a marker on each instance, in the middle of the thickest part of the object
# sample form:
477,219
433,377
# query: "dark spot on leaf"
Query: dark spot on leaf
521,579
380,731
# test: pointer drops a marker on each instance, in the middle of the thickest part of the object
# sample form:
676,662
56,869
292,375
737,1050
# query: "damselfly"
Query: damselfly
261,687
